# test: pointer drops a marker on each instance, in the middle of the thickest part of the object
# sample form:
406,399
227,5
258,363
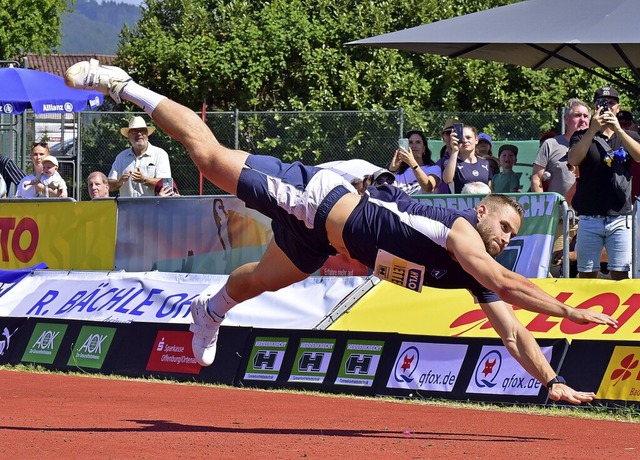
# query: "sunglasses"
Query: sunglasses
383,181
41,144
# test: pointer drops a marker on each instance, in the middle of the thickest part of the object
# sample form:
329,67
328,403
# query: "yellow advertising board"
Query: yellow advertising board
453,313
63,234
621,381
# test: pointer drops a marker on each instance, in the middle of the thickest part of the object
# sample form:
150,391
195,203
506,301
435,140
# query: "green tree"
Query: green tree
30,26
290,55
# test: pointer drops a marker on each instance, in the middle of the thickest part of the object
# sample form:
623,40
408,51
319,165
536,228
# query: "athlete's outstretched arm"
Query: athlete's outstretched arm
467,247
524,348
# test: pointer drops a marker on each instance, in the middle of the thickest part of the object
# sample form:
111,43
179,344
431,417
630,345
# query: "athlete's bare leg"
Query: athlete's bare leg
274,271
217,163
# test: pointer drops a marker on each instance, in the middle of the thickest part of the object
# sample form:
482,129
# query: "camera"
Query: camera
602,103
403,143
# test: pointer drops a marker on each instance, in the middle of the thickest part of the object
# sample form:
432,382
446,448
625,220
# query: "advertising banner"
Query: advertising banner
312,360
453,313
210,234
427,366
497,372
360,363
621,380
530,252
265,361
172,353
157,297
63,234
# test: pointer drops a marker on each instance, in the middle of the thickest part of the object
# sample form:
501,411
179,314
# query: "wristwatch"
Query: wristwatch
556,379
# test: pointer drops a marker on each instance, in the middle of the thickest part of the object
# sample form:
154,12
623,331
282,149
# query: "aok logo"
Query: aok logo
46,341
93,344
628,366
20,239
91,347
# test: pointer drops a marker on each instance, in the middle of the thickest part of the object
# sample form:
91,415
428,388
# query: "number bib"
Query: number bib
399,271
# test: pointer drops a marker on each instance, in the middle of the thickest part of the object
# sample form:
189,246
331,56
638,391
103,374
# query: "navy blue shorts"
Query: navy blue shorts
297,199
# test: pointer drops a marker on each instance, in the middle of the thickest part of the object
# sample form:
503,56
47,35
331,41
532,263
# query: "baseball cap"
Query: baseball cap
625,115
511,147
484,137
606,91
50,159
448,125
383,172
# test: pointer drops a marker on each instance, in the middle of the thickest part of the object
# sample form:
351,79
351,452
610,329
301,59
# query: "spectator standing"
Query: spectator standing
507,180
483,150
485,144
136,170
464,165
445,153
604,152
98,185
414,169
552,155
382,177
26,188
627,122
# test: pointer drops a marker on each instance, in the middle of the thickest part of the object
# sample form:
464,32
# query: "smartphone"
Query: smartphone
167,182
602,103
458,128
403,143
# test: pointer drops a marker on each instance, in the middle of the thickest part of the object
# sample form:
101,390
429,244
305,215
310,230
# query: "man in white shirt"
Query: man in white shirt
136,170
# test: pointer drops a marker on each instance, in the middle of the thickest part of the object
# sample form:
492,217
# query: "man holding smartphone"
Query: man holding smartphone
317,213
604,153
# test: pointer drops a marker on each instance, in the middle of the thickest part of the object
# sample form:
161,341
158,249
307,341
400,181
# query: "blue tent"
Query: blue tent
43,92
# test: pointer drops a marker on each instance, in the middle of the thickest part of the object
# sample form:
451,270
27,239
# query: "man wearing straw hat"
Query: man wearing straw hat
136,170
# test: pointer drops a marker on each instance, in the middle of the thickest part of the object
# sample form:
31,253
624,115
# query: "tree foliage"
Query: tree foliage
29,26
291,55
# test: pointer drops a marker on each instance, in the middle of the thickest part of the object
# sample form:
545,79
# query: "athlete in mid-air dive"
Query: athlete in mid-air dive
316,213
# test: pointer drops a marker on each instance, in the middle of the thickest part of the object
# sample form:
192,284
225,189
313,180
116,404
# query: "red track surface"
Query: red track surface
62,416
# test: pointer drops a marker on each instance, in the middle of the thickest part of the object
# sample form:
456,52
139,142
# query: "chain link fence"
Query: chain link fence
311,137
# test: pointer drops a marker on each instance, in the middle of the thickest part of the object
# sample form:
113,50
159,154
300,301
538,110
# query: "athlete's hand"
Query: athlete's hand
561,392
585,316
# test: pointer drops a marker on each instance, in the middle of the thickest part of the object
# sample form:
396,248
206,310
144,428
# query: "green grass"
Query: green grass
587,412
